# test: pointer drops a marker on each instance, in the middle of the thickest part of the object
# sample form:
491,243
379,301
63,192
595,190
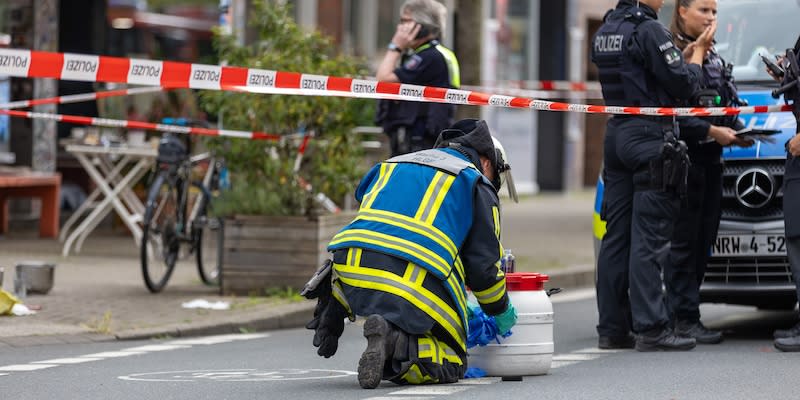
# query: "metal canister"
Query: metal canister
509,261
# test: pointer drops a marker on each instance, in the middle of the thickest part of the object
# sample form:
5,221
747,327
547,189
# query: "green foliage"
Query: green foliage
262,177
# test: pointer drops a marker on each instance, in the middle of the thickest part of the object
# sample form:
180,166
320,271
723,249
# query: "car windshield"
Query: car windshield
749,28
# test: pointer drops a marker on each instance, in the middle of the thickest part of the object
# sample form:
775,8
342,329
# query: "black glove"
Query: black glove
329,327
329,315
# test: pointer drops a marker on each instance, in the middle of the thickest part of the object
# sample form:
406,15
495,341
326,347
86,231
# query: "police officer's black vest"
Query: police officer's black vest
624,81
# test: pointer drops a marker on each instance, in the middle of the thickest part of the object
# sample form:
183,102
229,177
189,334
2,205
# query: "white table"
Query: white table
114,169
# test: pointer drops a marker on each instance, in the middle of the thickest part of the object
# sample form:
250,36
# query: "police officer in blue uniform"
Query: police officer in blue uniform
428,225
699,216
644,171
416,56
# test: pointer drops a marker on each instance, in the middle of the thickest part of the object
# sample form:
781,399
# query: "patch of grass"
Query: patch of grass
244,329
100,325
284,293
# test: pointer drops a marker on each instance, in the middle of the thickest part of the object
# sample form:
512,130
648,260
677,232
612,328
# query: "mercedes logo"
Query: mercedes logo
754,188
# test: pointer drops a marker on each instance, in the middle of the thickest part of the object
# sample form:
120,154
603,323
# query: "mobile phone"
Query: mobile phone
423,31
774,68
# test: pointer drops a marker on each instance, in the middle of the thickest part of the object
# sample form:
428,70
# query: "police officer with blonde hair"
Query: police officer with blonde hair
416,56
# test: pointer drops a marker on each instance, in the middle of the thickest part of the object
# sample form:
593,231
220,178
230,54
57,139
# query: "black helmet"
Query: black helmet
474,133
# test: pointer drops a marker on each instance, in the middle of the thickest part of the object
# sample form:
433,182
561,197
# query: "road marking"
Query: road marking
478,381
431,390
400,398
75,360
595,350
238,375
113,354
155,347
575,357
25,367
131,351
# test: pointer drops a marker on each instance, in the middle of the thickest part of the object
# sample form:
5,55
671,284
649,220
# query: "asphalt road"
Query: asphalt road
283,365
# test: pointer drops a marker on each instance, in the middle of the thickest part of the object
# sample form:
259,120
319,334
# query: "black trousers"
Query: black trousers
695,231
640,222
791,214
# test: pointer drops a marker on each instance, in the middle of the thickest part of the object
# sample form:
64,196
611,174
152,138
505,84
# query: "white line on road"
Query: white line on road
114,354
25,367
75,360
155,347
131,351
430,390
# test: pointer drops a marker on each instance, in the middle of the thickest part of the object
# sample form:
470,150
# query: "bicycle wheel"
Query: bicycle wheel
207,234
160,241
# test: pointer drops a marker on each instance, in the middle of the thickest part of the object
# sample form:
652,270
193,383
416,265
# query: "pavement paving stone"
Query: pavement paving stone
99,294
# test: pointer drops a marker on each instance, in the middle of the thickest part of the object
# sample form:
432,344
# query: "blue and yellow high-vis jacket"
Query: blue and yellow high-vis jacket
434,209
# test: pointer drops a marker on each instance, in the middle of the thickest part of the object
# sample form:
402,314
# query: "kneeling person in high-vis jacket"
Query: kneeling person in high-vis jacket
428,226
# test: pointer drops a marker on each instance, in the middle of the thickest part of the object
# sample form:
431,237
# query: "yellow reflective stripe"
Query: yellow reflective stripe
414,376
395,243
434,196
354,256
425,347
491,294
452,66
370,278
338,294
411,224
460,268
383,178
447,353
455,286
496,218
598,226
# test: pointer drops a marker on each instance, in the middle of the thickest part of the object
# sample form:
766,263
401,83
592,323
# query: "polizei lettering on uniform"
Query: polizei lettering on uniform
145,70
608,43
81,66
13,61
203,75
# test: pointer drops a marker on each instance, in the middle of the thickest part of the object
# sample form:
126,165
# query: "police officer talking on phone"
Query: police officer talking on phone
416,56
645,169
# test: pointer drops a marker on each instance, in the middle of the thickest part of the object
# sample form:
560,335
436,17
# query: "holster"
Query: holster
669,172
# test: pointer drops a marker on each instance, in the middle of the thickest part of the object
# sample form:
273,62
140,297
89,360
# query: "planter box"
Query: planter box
266,251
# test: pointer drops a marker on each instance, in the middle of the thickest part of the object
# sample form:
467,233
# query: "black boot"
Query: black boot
616,342
370,366
698,331
791,343
665,340
787,333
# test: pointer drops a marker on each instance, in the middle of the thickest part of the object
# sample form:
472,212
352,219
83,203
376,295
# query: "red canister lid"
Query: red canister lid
520,281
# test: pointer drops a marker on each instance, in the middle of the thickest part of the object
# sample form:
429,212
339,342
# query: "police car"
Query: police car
748,263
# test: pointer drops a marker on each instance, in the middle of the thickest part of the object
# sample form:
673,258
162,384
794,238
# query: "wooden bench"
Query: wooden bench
44,185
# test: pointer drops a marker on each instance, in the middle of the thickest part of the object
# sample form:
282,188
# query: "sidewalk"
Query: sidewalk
99,295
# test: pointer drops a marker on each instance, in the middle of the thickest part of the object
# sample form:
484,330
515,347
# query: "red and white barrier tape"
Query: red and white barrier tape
118,123
535,93
66,66
77,98
547,85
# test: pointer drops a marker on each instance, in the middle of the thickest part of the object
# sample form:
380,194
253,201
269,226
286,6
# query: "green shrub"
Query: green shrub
261,172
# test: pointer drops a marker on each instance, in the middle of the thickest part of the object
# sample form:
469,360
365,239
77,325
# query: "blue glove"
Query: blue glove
506,320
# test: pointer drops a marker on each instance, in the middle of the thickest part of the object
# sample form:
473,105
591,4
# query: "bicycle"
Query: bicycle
176,216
